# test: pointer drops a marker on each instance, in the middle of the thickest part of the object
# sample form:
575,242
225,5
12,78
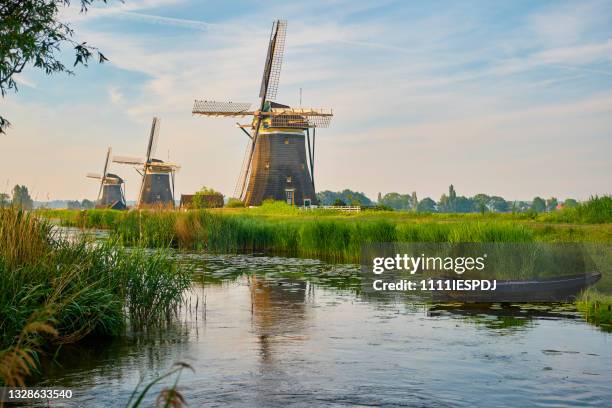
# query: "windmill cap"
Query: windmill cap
113,176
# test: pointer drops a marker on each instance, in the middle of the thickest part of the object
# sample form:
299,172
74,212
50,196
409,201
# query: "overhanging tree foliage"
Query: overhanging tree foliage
31,34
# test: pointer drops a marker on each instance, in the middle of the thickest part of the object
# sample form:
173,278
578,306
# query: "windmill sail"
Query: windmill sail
274,61
299,118
127,160
108,154
243,170
153,137
214,108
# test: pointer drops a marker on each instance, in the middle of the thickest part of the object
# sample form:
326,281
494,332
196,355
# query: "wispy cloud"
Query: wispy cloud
421,93
115,95
168,21
574,58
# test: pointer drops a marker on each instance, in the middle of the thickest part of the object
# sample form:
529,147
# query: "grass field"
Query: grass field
330,235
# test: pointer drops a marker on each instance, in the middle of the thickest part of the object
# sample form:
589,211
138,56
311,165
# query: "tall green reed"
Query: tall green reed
55,291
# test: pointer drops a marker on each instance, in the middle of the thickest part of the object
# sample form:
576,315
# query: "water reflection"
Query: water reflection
504,319
279,311
274,331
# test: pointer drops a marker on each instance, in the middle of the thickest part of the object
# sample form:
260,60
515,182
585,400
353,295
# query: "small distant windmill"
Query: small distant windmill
275,164
111,193
157,187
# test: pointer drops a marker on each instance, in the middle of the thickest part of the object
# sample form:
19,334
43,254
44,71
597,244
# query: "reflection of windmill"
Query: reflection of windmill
275,164
279,310
110,194
157,187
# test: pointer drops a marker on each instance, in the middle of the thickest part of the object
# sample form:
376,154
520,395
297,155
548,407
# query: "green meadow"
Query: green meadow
331,235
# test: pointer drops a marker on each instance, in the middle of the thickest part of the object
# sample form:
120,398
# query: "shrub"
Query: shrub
234,203
339,203
597,210
207,198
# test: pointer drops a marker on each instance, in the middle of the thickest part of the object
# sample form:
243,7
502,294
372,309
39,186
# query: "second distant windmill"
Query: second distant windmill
157,186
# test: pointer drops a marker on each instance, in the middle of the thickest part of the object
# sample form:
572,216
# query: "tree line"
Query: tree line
448,203
20,198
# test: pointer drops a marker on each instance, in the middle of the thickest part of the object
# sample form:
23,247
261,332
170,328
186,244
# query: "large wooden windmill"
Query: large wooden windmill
110,194
157,186
275,165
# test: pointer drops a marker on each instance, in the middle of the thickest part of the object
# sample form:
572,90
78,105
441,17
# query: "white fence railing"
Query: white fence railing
349,208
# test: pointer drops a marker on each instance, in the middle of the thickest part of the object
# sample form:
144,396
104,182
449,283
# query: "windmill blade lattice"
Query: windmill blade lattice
214,108
153,137
243,170
300,118
274,61
127,160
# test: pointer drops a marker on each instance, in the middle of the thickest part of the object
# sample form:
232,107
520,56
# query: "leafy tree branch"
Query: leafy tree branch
31,34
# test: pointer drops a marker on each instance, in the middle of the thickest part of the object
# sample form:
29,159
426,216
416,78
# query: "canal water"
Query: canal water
265,331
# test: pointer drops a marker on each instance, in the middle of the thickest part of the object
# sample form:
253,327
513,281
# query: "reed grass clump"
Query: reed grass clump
153,287
148,228
328,238
56,291
278,228
464,232
596,307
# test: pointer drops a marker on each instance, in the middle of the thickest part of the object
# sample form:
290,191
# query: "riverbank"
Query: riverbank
329,235
56,291
337,236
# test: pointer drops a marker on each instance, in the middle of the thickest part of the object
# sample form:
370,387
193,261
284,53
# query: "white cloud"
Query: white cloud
567,23
115,95
572,57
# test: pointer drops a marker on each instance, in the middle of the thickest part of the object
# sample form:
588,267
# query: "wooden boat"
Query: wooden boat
556,289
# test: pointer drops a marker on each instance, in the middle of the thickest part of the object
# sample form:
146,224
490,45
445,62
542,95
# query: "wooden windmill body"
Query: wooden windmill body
111,193
279,161
157,185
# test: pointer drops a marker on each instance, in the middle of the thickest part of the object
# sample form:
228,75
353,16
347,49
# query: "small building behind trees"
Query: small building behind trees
205,198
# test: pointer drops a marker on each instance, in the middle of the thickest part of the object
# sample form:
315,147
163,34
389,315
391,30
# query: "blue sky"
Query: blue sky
507,98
